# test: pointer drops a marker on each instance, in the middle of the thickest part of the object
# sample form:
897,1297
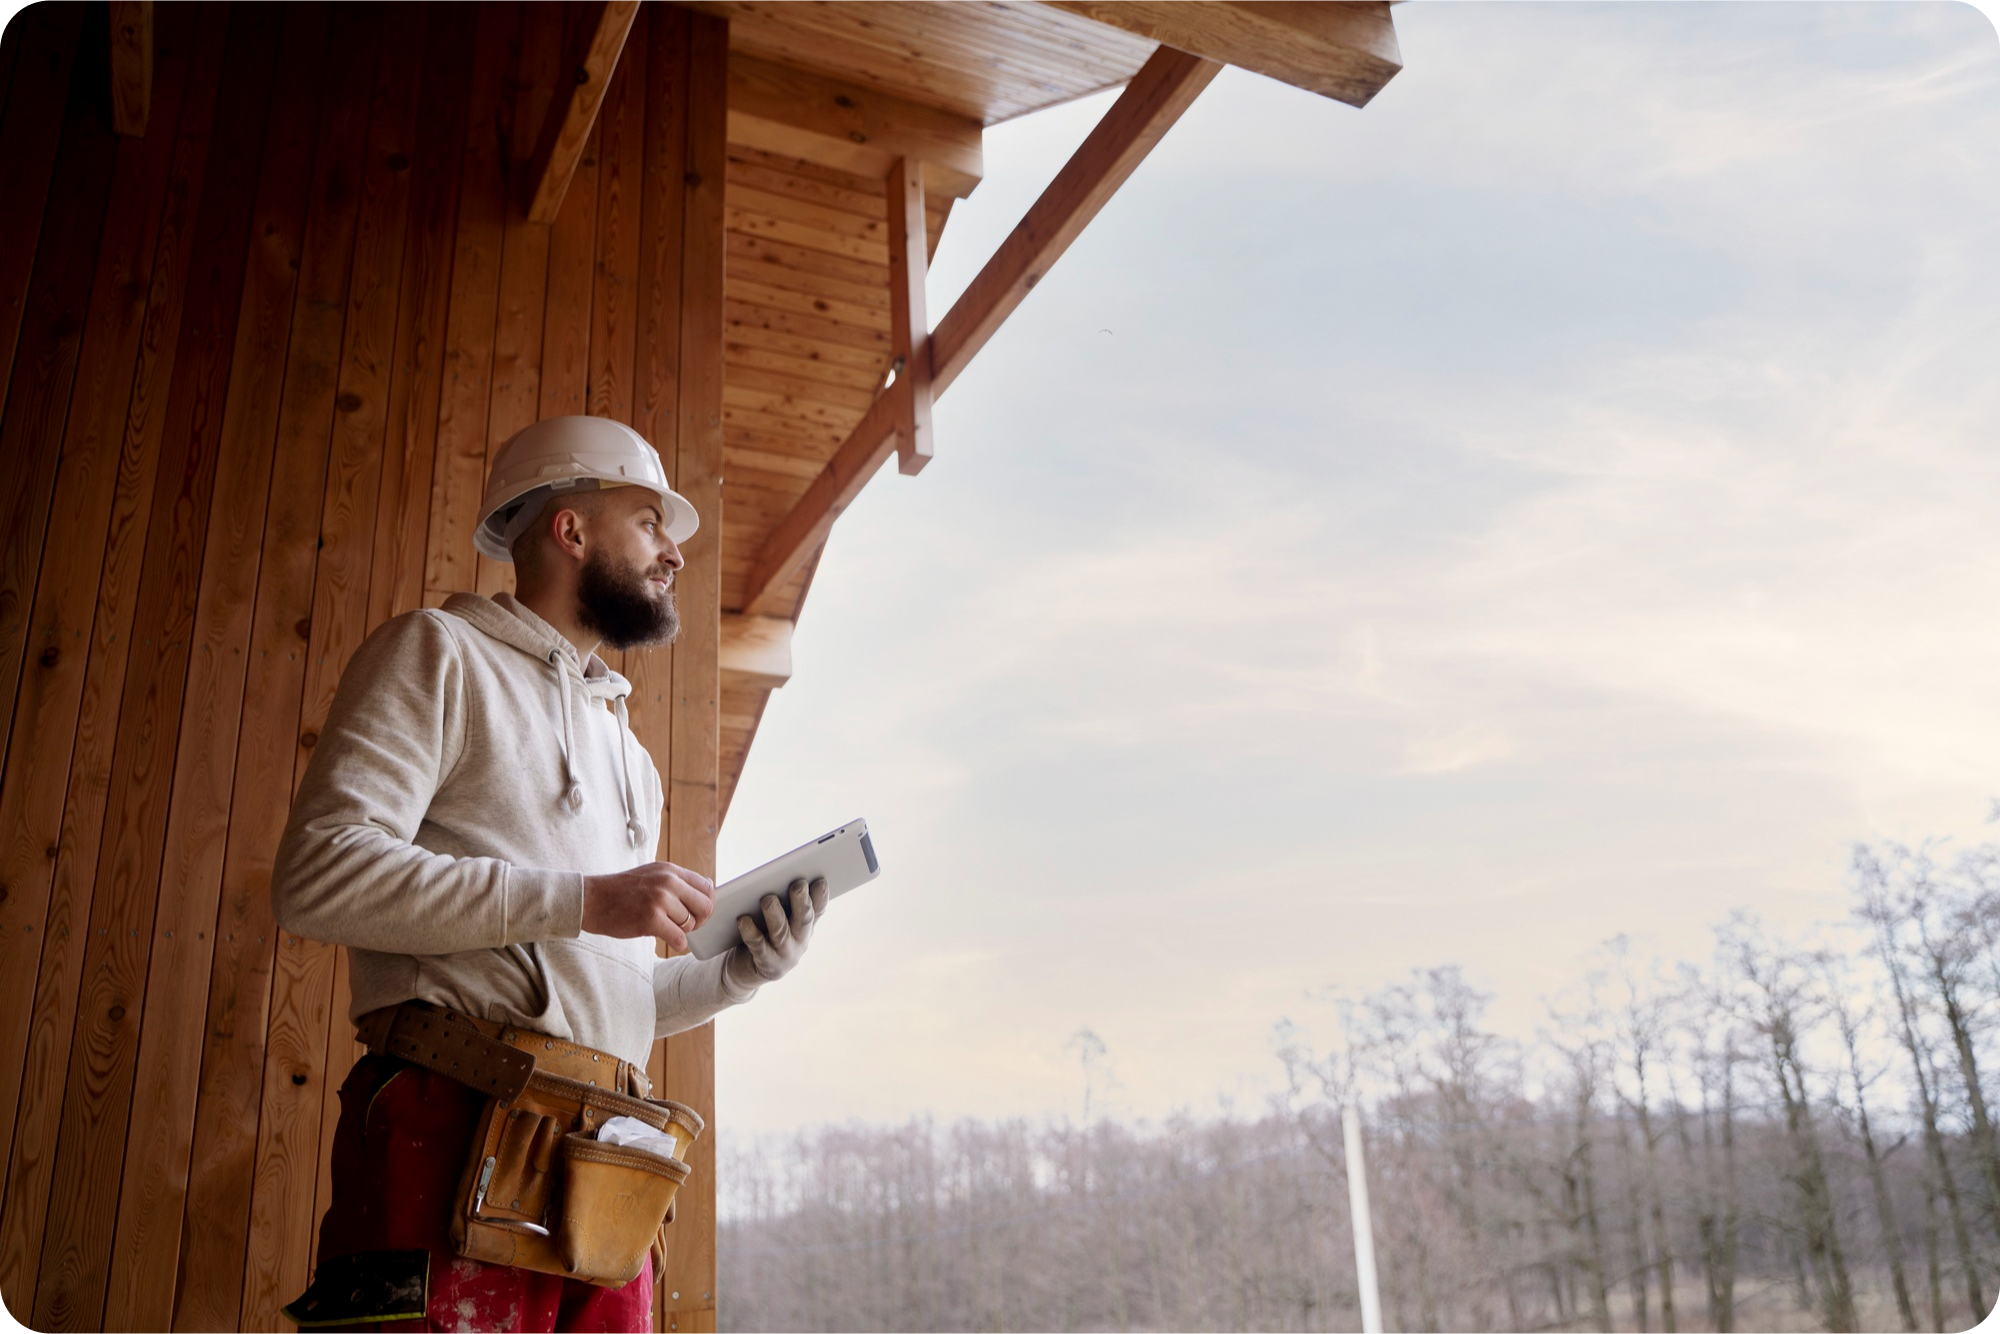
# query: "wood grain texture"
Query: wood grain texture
55,791
458,475
402,521
43,43
614,302
216,1218
55,306
35,1009
800,113
286,642
113,446
1346,51
984,62
564,138
131,66
146,1248
909,326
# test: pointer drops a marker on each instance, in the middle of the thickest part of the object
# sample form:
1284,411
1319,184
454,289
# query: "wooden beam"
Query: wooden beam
909,325
801,531
131,66
564,135
756,650
1163,88
783,109
1345,51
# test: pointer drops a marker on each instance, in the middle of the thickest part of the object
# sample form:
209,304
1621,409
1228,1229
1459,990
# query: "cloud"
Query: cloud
1555,501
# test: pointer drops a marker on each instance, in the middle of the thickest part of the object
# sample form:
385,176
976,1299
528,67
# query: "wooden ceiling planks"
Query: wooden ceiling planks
986,60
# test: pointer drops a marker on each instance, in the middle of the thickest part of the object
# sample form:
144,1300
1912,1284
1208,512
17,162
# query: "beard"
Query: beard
619,604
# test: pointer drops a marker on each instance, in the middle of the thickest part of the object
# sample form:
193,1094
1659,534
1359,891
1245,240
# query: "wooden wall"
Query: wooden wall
255,361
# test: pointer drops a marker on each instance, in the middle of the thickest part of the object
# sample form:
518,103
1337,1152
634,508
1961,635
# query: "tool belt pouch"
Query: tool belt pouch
616,1199
540,1192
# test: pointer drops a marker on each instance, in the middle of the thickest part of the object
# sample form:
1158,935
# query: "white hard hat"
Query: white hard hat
570,454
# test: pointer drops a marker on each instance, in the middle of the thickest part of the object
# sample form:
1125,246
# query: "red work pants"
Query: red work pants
401,1144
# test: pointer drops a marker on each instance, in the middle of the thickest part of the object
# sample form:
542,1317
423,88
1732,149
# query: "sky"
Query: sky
1558,500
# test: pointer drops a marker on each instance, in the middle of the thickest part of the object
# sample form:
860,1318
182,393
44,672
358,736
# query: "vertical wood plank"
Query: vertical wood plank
347,518
402,523
51,323
128,872
98,461
572,283
689,1064
212,1241
43,907
524,266
44,38
459,474
103,515
909,327
282,648
621,169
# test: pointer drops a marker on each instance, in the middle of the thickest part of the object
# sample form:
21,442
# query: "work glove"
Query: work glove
774,942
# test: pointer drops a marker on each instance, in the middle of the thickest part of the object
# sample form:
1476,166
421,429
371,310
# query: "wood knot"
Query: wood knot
308,739
348,402
298,1079
399,162
50,656
117,1013
304,627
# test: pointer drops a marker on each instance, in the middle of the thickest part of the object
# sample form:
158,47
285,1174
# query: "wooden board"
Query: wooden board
985,62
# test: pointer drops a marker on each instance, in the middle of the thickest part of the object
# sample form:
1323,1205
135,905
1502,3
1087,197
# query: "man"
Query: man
477,827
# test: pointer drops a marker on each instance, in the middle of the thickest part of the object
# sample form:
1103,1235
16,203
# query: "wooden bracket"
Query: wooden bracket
756,651
909,326
131,66
1346,51
1163,88
564,134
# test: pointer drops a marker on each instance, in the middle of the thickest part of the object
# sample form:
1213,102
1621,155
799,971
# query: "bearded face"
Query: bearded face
623,605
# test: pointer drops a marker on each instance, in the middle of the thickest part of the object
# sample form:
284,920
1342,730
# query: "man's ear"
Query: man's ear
568,531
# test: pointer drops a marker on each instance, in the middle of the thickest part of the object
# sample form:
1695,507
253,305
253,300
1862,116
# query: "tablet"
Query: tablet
844,858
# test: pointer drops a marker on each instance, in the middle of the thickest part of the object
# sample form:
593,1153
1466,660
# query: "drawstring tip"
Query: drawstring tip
575,796
637,832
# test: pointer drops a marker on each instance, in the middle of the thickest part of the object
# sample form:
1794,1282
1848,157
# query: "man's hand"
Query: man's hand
773,946
658,899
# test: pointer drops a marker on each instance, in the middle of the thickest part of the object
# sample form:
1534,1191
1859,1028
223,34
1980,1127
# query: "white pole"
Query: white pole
1364,1232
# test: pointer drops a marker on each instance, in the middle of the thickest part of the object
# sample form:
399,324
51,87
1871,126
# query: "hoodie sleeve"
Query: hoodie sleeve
347,871
688,991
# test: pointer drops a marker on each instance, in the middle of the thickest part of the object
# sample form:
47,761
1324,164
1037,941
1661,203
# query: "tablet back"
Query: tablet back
845,858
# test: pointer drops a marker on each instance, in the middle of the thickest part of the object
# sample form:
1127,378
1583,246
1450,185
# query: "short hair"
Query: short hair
530,549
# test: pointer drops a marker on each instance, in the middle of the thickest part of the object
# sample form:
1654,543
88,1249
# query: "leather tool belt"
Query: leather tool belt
539,1190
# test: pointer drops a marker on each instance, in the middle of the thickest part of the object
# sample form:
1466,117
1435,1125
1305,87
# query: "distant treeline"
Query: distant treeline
1791,1134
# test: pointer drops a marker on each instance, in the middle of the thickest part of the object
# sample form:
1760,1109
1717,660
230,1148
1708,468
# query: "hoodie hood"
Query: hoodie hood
502,617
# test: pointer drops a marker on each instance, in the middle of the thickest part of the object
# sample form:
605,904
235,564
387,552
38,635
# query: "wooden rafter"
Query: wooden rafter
566,132
756,651
804,114
1164,88
131,66
909,325
1345,51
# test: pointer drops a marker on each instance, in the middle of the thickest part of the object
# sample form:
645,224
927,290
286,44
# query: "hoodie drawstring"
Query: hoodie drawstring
635,828
575,793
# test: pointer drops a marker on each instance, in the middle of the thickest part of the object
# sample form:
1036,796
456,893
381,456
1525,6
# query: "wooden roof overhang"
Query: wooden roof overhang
853,127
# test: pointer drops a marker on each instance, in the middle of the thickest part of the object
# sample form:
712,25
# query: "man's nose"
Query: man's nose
672,555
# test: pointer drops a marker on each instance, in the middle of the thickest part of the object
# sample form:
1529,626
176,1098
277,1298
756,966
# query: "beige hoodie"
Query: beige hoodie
470,774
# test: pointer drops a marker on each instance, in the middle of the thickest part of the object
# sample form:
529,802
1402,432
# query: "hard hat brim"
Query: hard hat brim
682,521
